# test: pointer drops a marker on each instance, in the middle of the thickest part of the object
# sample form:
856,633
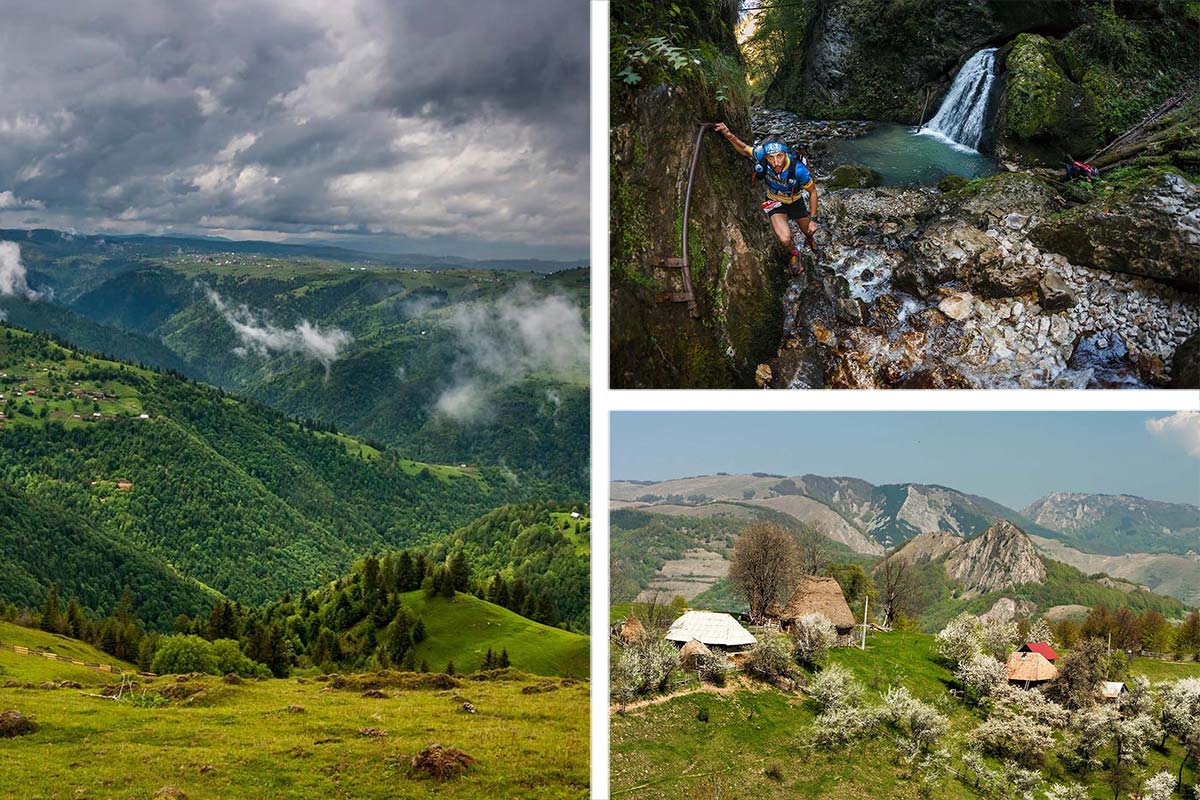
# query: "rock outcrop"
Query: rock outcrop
864,59
735,266
1007,610
1000,558
1152,230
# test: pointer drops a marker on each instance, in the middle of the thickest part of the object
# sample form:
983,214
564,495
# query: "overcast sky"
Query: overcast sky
455,126
1011,457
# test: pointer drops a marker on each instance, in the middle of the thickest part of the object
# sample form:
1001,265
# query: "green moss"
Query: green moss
1039,95
855,176
951,182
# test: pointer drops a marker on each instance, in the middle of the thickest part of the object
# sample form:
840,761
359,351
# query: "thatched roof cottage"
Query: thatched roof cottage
818,595
711,629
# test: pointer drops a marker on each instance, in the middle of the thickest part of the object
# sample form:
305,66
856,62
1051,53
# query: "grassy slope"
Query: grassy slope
464,629
529,745
663,751
20,667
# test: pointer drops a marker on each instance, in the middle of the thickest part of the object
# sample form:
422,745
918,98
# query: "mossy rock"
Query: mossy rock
951,182
854,176
1042,106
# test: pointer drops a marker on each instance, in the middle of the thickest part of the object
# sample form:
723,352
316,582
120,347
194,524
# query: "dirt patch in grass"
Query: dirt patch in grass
442,763
14,723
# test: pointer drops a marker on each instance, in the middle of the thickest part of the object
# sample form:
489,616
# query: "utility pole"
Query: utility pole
866,602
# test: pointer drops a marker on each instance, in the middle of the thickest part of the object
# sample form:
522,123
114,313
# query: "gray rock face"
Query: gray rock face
1152,231
1000,558
1007,610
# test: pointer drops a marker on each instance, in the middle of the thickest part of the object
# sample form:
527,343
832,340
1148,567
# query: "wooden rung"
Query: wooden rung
670,262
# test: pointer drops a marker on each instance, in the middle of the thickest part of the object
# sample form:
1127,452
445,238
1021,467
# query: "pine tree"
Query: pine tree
447,589
498,591
76,623
459,569
424,665
370,579
407,578
504,663
51,619
450,668
488,660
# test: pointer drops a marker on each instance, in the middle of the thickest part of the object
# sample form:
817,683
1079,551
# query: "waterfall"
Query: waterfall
963,114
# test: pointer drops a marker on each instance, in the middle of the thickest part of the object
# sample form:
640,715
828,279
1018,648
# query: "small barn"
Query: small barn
711,629
1028,669
1043,648
1111,691
633,632
817,595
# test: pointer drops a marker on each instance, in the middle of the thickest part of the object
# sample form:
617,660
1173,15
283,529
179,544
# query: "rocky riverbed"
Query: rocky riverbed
924,288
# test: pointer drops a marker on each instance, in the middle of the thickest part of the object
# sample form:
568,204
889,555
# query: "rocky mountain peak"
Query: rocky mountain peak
1001,557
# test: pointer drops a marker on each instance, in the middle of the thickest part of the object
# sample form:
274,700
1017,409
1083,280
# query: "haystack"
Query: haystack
689,652
1030,669
817,595
442,763
633,632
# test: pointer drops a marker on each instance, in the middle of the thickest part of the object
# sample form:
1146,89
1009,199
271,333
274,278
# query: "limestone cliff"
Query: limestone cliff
1000,558
672,71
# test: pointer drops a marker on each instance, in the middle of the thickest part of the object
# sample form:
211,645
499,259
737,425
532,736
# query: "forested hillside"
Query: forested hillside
455,365
228,492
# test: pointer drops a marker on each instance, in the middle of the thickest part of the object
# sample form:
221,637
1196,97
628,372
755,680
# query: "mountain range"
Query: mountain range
1144,542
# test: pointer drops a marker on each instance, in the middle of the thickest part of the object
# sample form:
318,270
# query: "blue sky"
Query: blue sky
1010,457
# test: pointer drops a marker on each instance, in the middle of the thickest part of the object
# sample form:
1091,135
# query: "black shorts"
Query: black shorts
797,209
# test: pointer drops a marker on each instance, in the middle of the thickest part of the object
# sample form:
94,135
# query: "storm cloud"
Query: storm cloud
459,122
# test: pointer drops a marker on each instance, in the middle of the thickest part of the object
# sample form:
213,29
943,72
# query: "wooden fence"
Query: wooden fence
29,651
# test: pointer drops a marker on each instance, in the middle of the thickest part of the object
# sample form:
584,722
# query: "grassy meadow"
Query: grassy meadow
754,742
284,738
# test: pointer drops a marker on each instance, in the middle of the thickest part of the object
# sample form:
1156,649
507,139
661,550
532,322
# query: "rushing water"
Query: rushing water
962,117
901,156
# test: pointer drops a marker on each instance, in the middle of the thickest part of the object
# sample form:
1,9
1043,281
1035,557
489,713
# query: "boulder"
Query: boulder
1043,112
949,249
854,176
1009,277
957,306
989,201
1053,292
1185,364
951,182
1152,230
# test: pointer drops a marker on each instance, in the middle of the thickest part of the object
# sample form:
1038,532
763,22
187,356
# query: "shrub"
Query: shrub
981,676
643,669
179,654
231,659
812,637
770,659
959,640
1159,787
1014,736
712,667
835,687
920,721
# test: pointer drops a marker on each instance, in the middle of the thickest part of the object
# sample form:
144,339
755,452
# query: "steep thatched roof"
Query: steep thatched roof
687,655
633,632
1030,667
711,629
816,595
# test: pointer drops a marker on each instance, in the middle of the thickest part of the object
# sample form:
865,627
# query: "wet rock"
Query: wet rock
852,311
928,318
1185,365
1054,293
883,204
1153,231
1103,353
854,176
957,306
852,369
762,376
940,377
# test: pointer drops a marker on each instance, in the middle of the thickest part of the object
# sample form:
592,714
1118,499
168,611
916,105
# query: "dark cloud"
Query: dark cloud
443,122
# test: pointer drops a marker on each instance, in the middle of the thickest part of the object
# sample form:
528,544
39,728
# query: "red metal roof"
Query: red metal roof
1041,648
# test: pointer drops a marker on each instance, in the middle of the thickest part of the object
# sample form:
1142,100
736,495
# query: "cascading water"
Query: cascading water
962,117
